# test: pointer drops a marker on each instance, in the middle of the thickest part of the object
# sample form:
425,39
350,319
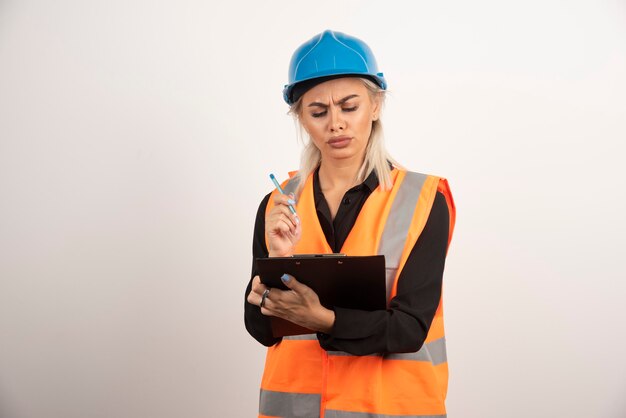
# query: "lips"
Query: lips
339,141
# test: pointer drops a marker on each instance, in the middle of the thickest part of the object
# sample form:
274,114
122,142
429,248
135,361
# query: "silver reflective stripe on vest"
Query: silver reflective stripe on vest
306,337
398,224
284,404
290,187
330,413
433,352
438,351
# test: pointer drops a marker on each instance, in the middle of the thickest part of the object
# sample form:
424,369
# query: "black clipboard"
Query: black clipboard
353,282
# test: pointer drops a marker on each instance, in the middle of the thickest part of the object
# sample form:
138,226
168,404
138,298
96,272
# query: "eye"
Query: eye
350,109
318,114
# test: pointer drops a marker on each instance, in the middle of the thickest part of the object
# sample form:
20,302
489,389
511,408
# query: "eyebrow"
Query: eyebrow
340,102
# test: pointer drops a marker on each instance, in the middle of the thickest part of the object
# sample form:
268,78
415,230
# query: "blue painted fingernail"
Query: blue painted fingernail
291,202
297,219
285,278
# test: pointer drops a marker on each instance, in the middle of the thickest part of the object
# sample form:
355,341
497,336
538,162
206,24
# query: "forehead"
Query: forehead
335,90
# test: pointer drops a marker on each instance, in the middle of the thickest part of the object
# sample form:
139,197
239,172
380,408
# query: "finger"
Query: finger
287,202
290,220
276,298
292,283
282,223
253,298
273,306
256,295
297,287
280,211
251,295
285,199
285,226
298,232
256,282
267,311
258,287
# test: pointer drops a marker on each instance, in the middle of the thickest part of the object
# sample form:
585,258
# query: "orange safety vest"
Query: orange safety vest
303,380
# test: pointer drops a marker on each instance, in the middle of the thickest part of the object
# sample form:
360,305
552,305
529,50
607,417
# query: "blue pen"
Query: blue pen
280,189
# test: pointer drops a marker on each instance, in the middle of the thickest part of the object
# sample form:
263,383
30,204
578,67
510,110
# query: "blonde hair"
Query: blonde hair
376,156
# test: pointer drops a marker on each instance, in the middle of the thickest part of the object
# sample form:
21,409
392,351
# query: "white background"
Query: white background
136,138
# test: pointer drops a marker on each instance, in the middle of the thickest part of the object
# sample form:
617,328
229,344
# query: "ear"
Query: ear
376,107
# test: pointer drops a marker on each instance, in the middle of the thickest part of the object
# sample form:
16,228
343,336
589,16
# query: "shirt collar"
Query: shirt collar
371,182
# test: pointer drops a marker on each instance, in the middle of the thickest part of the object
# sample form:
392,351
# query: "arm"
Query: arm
299,304
404,326
257,324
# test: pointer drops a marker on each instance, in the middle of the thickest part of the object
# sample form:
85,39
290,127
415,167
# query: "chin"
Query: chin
340,154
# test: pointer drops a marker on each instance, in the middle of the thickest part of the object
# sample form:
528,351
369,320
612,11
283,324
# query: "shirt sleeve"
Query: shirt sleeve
404,326
257,324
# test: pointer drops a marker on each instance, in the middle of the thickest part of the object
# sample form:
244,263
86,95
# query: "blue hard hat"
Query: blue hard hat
328,55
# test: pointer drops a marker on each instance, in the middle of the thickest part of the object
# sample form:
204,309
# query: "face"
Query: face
338,115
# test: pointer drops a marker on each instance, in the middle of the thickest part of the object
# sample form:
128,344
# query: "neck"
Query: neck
338,174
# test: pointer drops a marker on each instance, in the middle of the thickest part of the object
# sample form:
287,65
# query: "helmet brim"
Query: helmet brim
293,92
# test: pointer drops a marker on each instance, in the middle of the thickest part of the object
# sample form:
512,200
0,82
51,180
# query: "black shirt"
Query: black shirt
337,230
404,325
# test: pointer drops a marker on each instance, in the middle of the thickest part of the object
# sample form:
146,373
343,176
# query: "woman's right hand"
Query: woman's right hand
282,227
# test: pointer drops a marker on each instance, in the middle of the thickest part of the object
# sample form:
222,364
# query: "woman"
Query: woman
351,197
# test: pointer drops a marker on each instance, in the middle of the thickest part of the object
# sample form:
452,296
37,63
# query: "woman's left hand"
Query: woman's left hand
300,304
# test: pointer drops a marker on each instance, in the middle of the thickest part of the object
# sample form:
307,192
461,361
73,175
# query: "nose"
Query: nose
337,123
